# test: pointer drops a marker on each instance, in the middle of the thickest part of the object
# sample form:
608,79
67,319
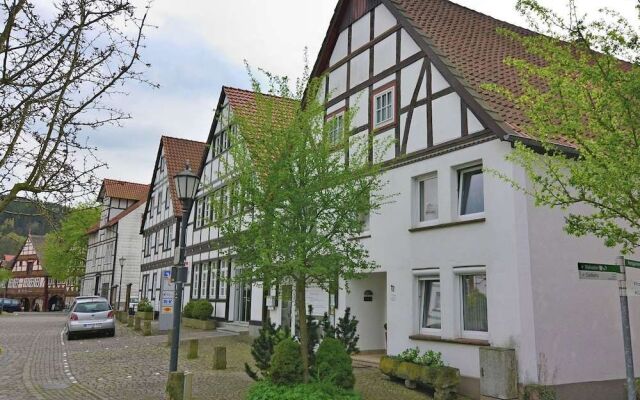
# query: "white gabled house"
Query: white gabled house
238,306
115,236
163,212
465,261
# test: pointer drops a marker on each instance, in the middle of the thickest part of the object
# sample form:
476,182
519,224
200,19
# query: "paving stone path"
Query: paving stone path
38,363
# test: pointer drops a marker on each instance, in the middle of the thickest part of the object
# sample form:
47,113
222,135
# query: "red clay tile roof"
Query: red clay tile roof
244,101
469,42
123,190
177,152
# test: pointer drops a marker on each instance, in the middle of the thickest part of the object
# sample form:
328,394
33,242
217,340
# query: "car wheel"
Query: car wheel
70,336
111,332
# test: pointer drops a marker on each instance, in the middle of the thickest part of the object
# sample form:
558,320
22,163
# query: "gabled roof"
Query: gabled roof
123,190
462,43
96,227
177,152
244,101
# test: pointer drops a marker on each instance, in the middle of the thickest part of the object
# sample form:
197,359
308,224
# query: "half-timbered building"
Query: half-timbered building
466,261
163,212
237,306
31,284
115,240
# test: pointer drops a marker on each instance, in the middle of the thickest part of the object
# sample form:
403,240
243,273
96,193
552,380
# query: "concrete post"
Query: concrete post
175,386
193,349
219,357
146,328
188,385
130,321
136,324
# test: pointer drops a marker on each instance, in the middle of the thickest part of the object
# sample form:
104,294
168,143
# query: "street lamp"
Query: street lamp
122,260
186,183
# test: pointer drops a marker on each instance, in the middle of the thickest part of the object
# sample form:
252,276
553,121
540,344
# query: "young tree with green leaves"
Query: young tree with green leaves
583,107
295,207
5,275
65,249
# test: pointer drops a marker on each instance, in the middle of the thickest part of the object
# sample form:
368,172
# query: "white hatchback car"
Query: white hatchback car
91,315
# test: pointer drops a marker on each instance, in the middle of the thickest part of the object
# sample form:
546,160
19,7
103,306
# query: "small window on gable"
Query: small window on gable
336,128
159,208
161,163
428,198
166,198
384,106
470,191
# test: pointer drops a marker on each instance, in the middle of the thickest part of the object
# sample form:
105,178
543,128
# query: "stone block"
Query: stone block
169,337
175,386
219,357
193,349
188,385
498,373
137,322
146,328
130,320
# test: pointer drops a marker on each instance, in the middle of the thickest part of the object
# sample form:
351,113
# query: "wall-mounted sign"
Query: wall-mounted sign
368,295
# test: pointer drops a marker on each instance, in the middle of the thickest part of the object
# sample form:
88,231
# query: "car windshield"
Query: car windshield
91,307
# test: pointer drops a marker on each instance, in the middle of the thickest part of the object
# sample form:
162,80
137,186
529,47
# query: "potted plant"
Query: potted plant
145,310
197,314
427,370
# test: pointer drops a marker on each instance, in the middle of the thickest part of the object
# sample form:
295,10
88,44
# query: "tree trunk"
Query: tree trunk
301,311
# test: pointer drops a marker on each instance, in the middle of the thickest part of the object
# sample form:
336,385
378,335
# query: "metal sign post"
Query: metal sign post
167,290
617,272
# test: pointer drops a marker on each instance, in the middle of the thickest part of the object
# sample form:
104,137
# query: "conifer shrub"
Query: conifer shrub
286,363
187,312
262,349
333,364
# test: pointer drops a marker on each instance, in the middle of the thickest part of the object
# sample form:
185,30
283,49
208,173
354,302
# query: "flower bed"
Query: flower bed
443,380
207,325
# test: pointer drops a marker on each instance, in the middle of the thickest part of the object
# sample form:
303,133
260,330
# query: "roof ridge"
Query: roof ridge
263,94
127,182
183,139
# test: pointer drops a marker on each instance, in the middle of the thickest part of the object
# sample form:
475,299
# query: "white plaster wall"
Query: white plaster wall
383,146
340,49
128,246
398,251
338,81
446,118
407,46
409,78
384,54
418,130
577,322
438,82
360,32
359,104
384,20
359,68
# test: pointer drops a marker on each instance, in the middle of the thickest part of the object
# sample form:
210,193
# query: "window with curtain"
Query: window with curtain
428,198
205,280
213,279
222,291
430,313
195,290
474,302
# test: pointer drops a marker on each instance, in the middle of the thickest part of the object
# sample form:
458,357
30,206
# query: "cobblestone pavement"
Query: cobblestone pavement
37,363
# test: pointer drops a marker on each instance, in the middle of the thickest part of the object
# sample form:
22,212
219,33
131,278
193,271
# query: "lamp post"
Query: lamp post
122,260
186,183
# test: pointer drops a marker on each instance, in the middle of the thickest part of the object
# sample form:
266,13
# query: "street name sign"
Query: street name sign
605,272
631,263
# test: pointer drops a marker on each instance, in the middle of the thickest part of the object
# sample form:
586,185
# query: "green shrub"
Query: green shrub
431,359
262,348
265,390
187,312
202,310
286,363
333,364
145,305
410,355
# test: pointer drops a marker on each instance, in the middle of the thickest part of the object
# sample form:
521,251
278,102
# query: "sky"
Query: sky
197,46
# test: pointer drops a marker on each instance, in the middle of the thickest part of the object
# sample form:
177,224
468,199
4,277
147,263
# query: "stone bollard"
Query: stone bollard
169,337
188,385
146,328
193,349
175,386
130,321
136,324
219,357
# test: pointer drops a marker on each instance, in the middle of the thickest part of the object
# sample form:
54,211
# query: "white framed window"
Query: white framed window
153,285
430,305
222,292
213,279
151,207
336,128
159,207
471,289
166,198
427,192
384,107
205,280
195,290
470,191
145,284
206,218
